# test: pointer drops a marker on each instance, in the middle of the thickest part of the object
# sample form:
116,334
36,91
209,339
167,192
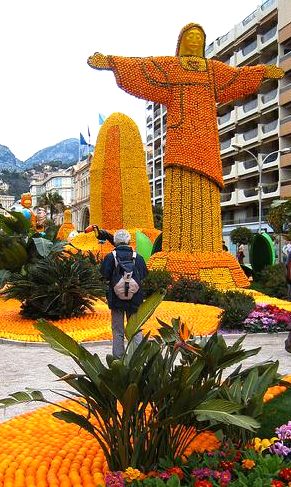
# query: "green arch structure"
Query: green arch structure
143,245
262,252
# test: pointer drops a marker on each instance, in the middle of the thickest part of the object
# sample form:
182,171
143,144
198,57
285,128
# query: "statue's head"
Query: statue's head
26,200
191,41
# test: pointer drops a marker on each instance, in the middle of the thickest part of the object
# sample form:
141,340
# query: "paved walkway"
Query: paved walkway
24,366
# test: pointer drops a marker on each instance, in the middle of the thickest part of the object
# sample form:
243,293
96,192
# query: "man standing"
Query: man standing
124,270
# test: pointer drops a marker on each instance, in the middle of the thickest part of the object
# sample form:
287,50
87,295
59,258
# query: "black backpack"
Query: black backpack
125,279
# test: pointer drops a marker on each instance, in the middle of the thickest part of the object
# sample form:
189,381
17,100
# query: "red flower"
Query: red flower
226,465
203,483
277,483
176,471
285,474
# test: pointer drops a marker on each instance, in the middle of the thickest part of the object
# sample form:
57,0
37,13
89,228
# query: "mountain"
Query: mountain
66,151
8,160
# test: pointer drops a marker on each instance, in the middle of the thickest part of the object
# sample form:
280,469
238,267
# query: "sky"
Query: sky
48,93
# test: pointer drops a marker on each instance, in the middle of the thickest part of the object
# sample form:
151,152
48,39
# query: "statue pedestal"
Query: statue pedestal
220,269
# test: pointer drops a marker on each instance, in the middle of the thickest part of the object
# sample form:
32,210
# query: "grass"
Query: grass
275,413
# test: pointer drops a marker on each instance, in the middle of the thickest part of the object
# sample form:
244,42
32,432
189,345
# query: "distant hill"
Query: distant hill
65,152
8,160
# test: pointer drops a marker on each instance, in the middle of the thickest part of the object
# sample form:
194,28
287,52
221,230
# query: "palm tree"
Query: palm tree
53,201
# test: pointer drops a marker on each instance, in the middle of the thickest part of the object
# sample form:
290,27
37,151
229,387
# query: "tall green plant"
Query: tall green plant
152,402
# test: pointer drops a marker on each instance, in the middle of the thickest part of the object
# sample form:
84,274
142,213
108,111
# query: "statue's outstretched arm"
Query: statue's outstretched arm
98,61
273,72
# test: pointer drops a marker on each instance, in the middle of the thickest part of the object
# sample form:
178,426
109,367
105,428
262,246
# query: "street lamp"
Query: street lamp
260,165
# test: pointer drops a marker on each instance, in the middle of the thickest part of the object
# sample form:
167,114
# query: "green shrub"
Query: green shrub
189,291
155,280
272,280
237,306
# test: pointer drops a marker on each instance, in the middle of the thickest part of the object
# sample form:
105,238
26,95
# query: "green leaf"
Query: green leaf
129,399
143,313
43,246
71,417
220,405
221,411
22,397
173,481
249,385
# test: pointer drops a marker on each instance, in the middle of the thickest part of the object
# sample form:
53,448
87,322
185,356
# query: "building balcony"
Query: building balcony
226,147
228,199
157,113
224,40
248,137
247,109
157,133
149,138
246,52
229,172
227,119
149,119
250,21
247,195
268,129
268,6
272,161
247,167
271,190
268,37
157,152
268,99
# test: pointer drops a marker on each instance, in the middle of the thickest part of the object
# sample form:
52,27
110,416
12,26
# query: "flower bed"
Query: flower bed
267,318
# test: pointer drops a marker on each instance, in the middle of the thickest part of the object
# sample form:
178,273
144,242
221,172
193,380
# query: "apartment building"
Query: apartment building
253,130
6,203
81,194
60,182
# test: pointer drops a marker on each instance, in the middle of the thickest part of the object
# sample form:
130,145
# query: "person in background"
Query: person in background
288,274
286,249
224,246
241,254
122,306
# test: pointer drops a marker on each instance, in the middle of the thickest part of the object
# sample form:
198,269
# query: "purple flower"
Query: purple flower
225,477
114,479
280,449
284,431
201,473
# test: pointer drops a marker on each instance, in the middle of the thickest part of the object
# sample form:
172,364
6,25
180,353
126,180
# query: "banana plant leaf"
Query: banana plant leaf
222,411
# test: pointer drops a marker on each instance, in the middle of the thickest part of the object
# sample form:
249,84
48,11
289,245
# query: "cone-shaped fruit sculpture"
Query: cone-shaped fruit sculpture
119,187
